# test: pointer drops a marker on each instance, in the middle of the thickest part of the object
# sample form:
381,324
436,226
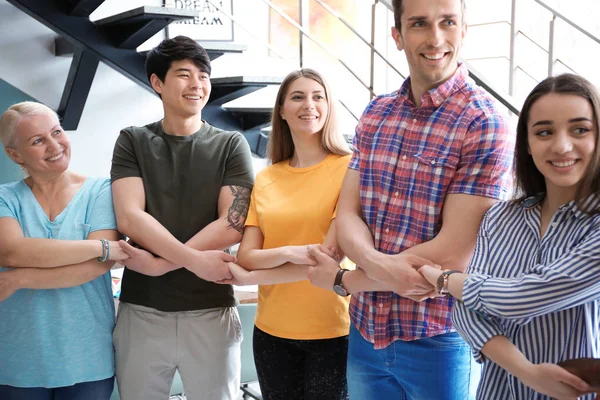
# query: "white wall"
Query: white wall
27,62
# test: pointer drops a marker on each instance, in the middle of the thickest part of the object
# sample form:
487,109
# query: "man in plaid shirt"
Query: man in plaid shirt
429,160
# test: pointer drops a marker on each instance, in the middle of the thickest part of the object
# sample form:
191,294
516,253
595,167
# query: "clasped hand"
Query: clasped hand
400,273
325,265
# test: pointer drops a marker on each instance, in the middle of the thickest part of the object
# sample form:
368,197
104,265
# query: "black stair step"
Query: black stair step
233,87
217,49
249,109
251,116
64,48
130,29
81,8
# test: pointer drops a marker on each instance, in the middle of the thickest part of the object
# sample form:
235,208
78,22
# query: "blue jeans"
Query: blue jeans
97,390
437,368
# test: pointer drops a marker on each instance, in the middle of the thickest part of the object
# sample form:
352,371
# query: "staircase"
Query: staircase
235,102
114,40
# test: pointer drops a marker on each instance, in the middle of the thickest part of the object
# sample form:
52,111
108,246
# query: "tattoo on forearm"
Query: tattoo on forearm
237,213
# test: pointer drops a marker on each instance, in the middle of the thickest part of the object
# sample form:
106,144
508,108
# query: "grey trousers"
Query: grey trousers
203,345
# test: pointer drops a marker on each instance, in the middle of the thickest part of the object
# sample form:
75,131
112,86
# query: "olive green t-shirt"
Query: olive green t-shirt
182,177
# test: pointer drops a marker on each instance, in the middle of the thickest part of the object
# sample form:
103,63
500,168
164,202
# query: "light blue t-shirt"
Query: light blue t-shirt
58,337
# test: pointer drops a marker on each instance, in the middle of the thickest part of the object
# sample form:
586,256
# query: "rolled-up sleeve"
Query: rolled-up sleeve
570,280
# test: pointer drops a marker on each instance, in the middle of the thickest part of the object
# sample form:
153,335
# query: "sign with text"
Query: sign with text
209,25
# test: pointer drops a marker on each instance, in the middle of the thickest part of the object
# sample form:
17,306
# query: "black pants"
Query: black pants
290,369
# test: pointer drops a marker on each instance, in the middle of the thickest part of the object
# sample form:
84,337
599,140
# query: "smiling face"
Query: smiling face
40,145
305,107
185,89
561,139
431,35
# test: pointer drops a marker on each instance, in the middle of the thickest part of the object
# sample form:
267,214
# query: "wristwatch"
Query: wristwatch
337,284
442,283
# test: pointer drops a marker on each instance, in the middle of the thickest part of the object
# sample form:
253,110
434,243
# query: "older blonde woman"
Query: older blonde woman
58,242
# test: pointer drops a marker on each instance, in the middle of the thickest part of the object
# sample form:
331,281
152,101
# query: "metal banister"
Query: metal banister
317,42
568,21
505,99
358,35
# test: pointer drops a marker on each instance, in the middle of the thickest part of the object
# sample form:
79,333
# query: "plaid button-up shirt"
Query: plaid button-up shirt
409,159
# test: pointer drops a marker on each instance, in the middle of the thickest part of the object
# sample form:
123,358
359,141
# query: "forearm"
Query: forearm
504,353
152,266
356,281
257,259
356,241
147,232
60,277
217,235
283,274
444,252
49,253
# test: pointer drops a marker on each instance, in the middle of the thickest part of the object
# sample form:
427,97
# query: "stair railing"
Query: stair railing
505,98
306,34
555,14
552,58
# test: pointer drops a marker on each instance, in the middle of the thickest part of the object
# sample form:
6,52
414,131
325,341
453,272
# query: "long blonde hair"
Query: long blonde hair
280,145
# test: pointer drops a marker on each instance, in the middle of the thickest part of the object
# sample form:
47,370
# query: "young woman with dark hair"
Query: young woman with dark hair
531,296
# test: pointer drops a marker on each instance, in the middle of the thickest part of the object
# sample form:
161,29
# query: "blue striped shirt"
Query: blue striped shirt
542,294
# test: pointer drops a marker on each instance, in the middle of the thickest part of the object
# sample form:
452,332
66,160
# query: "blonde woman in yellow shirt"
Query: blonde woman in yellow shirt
300,335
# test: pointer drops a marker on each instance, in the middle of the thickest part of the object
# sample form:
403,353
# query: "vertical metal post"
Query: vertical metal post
513,42
372,74
304,23
551,56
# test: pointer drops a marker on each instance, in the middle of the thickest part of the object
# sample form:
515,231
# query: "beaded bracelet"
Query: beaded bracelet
105,250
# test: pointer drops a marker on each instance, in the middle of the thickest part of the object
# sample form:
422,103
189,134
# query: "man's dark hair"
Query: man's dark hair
160,58
398,9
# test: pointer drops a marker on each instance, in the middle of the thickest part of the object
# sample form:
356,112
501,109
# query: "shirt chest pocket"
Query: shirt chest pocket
75,231
433,172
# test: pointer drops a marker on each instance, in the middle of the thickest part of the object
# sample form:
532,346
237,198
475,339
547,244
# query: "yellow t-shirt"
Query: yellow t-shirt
295,206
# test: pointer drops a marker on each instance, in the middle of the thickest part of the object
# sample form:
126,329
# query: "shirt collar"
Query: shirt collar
593,201
532,201
438,95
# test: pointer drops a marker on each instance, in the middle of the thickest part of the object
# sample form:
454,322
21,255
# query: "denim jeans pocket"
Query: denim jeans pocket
452,339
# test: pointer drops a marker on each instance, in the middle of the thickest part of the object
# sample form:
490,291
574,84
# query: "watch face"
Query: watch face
439,287
340,290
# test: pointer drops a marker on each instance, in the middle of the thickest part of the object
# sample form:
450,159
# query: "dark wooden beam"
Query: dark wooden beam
79,82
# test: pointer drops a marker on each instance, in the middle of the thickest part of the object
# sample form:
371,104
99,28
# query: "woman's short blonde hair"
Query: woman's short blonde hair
280,145
15,113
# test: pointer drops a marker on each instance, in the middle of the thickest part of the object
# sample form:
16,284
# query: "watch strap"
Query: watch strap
442,282
337,283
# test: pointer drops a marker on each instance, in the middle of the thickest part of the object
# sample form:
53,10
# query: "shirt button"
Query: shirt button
415,120
437,102
387,230
396,194
432,162
380,305
403,158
